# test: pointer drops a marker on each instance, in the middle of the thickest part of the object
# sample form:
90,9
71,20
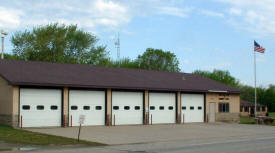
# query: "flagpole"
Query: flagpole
255,83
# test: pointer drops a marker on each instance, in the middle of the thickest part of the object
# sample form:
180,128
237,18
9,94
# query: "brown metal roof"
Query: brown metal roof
86,76
248,103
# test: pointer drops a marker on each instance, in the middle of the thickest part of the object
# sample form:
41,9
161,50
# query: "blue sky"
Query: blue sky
204,34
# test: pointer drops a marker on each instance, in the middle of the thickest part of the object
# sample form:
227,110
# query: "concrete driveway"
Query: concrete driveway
185,133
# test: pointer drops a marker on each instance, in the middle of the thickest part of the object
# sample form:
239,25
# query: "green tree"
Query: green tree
11,57
124,63
58,43
269,98
157,59
220,76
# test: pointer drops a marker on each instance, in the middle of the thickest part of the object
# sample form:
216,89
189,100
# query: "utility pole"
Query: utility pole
3,34
117,44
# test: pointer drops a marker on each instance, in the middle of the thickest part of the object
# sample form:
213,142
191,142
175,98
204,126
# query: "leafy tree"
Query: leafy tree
58,43
157,59
98,56
11,57
220,76
124,63
269,98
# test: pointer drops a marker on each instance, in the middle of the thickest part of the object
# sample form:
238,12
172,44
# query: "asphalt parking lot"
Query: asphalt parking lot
185,133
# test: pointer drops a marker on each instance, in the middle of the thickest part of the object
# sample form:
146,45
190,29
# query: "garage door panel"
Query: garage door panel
127,108
36,107
192,107
91,104
162,108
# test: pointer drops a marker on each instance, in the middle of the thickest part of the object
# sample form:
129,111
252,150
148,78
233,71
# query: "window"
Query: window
263,108
116,107
258,108
183,107
26,107
73,107
223,107
241,109
161,107
246,108
126,107
221,98
53,107
86,107
40,107
137,107
152,107
170,107
98,107
199,108
191,107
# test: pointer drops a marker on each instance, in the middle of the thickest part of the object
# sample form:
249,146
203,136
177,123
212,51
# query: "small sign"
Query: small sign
81,119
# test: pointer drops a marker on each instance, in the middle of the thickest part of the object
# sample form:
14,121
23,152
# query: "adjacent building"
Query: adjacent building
41,94
247,108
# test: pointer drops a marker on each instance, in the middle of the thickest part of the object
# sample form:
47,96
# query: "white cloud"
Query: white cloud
254,16
9,18
173,11
89,14
235,11
211,13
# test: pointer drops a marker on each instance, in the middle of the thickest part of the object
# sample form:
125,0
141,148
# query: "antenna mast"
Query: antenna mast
117,44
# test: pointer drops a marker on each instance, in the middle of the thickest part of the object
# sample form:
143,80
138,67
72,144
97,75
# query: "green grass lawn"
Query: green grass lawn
250,120
272,114
18,136
247,120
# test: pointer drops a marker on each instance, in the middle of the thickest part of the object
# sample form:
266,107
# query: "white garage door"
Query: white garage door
162,108
192,106
40,107
91,104
127,108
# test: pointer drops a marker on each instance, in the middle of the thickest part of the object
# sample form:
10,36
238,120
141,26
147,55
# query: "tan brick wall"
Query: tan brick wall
6,97
109,107
15,106
179,107
66,107
9,101
234,104
146,107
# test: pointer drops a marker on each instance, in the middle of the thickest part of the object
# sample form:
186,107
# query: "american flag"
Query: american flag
258,48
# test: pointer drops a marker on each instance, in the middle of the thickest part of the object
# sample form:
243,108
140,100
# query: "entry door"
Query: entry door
89,103
162,108
192,106
127,108
212,113
40,107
